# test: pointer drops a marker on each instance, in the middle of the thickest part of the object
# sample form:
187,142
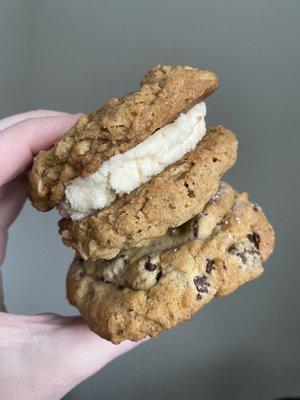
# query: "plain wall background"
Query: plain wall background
73,55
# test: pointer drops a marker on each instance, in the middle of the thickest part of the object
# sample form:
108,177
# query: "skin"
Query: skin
41,356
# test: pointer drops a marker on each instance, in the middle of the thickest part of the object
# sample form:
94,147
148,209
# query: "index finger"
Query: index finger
14,119
22,141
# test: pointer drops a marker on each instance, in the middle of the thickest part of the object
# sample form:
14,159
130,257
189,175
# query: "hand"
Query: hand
42,356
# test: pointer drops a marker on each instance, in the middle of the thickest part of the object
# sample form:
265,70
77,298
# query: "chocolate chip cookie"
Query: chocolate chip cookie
148,289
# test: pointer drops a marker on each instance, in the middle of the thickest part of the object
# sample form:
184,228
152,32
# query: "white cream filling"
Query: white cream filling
125,172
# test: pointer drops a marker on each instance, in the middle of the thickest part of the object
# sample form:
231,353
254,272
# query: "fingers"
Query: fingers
86,352
89,351
52,348
20,142
12,197
14,119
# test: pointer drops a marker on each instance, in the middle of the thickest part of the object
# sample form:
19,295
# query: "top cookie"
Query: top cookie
120,124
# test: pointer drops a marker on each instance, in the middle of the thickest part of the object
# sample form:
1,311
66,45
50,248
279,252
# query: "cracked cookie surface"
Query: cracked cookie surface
120,124
166,201
155,287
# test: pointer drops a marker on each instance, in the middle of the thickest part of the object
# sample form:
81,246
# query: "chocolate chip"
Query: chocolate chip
252,251
149,266
256,207
194,229
158,276
209,265
242,257
232,249
191,193
195,226
243,251
224,266
254,238
78,260
201,285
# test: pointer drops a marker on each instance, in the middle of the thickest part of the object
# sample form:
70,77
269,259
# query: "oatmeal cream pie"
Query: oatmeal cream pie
169,199
136,167
145,290
167,111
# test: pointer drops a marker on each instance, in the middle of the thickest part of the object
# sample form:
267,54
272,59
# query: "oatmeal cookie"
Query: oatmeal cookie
166,201
119,125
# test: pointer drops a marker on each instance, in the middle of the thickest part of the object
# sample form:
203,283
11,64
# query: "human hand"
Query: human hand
41,356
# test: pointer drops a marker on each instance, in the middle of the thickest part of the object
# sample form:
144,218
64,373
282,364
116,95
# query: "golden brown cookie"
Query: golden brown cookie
166,201
165,92
144,291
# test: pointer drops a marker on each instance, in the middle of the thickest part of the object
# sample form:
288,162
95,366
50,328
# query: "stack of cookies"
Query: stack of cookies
157,234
